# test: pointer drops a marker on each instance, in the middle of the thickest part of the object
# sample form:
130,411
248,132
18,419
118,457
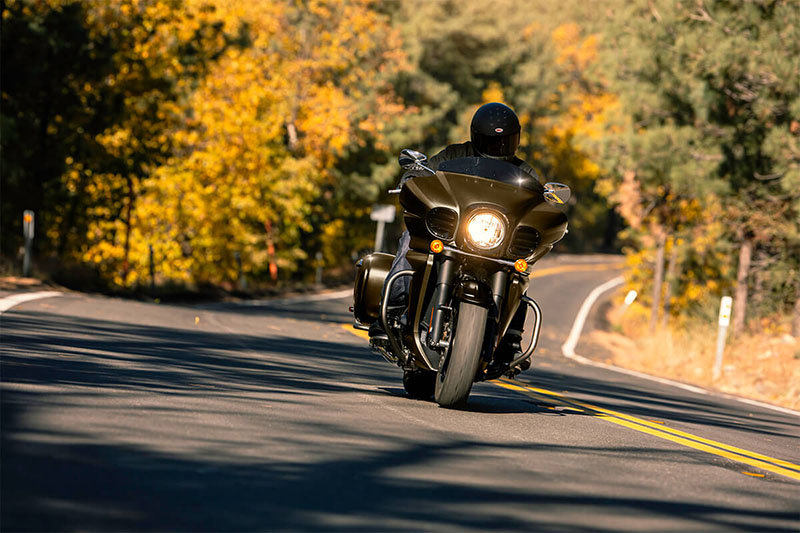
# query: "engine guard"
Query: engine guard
384,318
537,327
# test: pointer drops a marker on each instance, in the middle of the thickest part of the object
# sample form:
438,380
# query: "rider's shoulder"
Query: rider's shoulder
525,167
452,151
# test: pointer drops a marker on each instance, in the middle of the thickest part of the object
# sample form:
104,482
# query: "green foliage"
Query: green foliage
464,54
708,94
49,56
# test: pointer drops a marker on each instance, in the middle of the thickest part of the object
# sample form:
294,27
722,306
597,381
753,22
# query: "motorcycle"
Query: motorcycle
477,225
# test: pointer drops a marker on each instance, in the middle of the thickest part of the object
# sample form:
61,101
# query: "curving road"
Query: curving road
121,415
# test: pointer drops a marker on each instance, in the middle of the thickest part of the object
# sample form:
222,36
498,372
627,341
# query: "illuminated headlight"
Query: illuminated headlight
485,230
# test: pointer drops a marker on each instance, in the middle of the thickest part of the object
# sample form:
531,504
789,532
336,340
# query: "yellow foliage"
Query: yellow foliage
574,51
493,93
583,111
265,127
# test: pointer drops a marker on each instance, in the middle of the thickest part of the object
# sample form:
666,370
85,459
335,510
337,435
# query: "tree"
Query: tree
47,117
268,125
708,97
86,119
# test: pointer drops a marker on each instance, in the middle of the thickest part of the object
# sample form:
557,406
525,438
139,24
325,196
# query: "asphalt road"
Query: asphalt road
121,415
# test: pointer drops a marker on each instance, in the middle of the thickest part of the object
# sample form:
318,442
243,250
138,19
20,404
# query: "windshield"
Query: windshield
493,169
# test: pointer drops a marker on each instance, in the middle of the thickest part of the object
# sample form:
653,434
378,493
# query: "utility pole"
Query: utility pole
658,275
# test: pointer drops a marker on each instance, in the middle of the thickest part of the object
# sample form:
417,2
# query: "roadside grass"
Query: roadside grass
762,364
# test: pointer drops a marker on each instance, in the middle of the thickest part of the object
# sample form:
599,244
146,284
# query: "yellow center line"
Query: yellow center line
576,268
654,428
771,464
358,332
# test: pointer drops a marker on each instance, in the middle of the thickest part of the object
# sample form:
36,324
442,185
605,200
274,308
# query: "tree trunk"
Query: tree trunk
610,233
291,131
127,243
657,281
672,267
796,320
740,297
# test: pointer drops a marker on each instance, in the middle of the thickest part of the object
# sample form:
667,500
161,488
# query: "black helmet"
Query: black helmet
495,131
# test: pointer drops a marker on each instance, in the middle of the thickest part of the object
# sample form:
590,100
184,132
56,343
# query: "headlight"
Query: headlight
485,230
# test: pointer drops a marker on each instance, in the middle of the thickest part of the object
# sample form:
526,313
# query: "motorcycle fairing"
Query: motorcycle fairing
519,199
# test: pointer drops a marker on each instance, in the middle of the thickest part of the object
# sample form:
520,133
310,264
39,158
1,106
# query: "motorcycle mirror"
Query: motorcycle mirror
412,160
556,193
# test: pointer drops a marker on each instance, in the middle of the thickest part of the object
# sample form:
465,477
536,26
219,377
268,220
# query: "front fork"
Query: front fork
499,285
468,290
441,294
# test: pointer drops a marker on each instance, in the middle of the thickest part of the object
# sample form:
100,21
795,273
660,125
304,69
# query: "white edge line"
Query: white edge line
568,349
308,298
15,299
280,301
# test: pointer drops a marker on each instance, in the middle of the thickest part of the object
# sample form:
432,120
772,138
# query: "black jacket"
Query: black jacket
455,151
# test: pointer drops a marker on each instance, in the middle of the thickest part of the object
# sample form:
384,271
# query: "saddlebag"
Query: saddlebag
371,271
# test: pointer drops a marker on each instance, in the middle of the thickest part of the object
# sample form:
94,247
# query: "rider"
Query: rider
494,133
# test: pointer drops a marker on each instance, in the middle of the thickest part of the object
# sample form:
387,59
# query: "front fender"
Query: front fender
473,291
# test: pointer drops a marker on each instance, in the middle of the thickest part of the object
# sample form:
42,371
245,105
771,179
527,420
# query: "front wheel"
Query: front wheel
457,370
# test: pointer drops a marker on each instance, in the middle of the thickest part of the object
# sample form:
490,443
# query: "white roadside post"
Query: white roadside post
318,273
381,213
27,232
630,298
724,321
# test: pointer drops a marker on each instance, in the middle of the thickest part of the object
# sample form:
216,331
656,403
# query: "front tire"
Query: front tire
457,370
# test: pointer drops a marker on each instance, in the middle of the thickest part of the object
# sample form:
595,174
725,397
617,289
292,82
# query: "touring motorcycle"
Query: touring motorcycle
477,225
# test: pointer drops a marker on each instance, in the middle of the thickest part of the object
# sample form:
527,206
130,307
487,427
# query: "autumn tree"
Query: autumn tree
463,55
709,107
269,125
87,118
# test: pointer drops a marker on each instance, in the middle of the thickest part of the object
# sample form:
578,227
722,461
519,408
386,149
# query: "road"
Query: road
123,415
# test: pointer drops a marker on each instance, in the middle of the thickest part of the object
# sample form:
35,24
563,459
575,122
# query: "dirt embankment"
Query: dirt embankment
762,366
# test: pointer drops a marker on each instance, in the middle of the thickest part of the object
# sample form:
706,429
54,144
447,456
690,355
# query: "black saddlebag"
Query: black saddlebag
371,271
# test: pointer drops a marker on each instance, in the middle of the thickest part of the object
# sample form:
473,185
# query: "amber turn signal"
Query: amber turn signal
437,246
521,265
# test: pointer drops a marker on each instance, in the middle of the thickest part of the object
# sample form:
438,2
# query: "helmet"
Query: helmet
495,131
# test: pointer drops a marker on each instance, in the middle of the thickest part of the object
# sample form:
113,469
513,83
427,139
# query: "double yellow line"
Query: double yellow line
770,464
656,429
757,460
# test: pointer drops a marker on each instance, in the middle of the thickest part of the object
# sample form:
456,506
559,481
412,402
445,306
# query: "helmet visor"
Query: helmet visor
501,146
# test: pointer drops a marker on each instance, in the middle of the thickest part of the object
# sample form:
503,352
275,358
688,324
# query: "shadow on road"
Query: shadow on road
53,481
58,349
123,488
326,310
